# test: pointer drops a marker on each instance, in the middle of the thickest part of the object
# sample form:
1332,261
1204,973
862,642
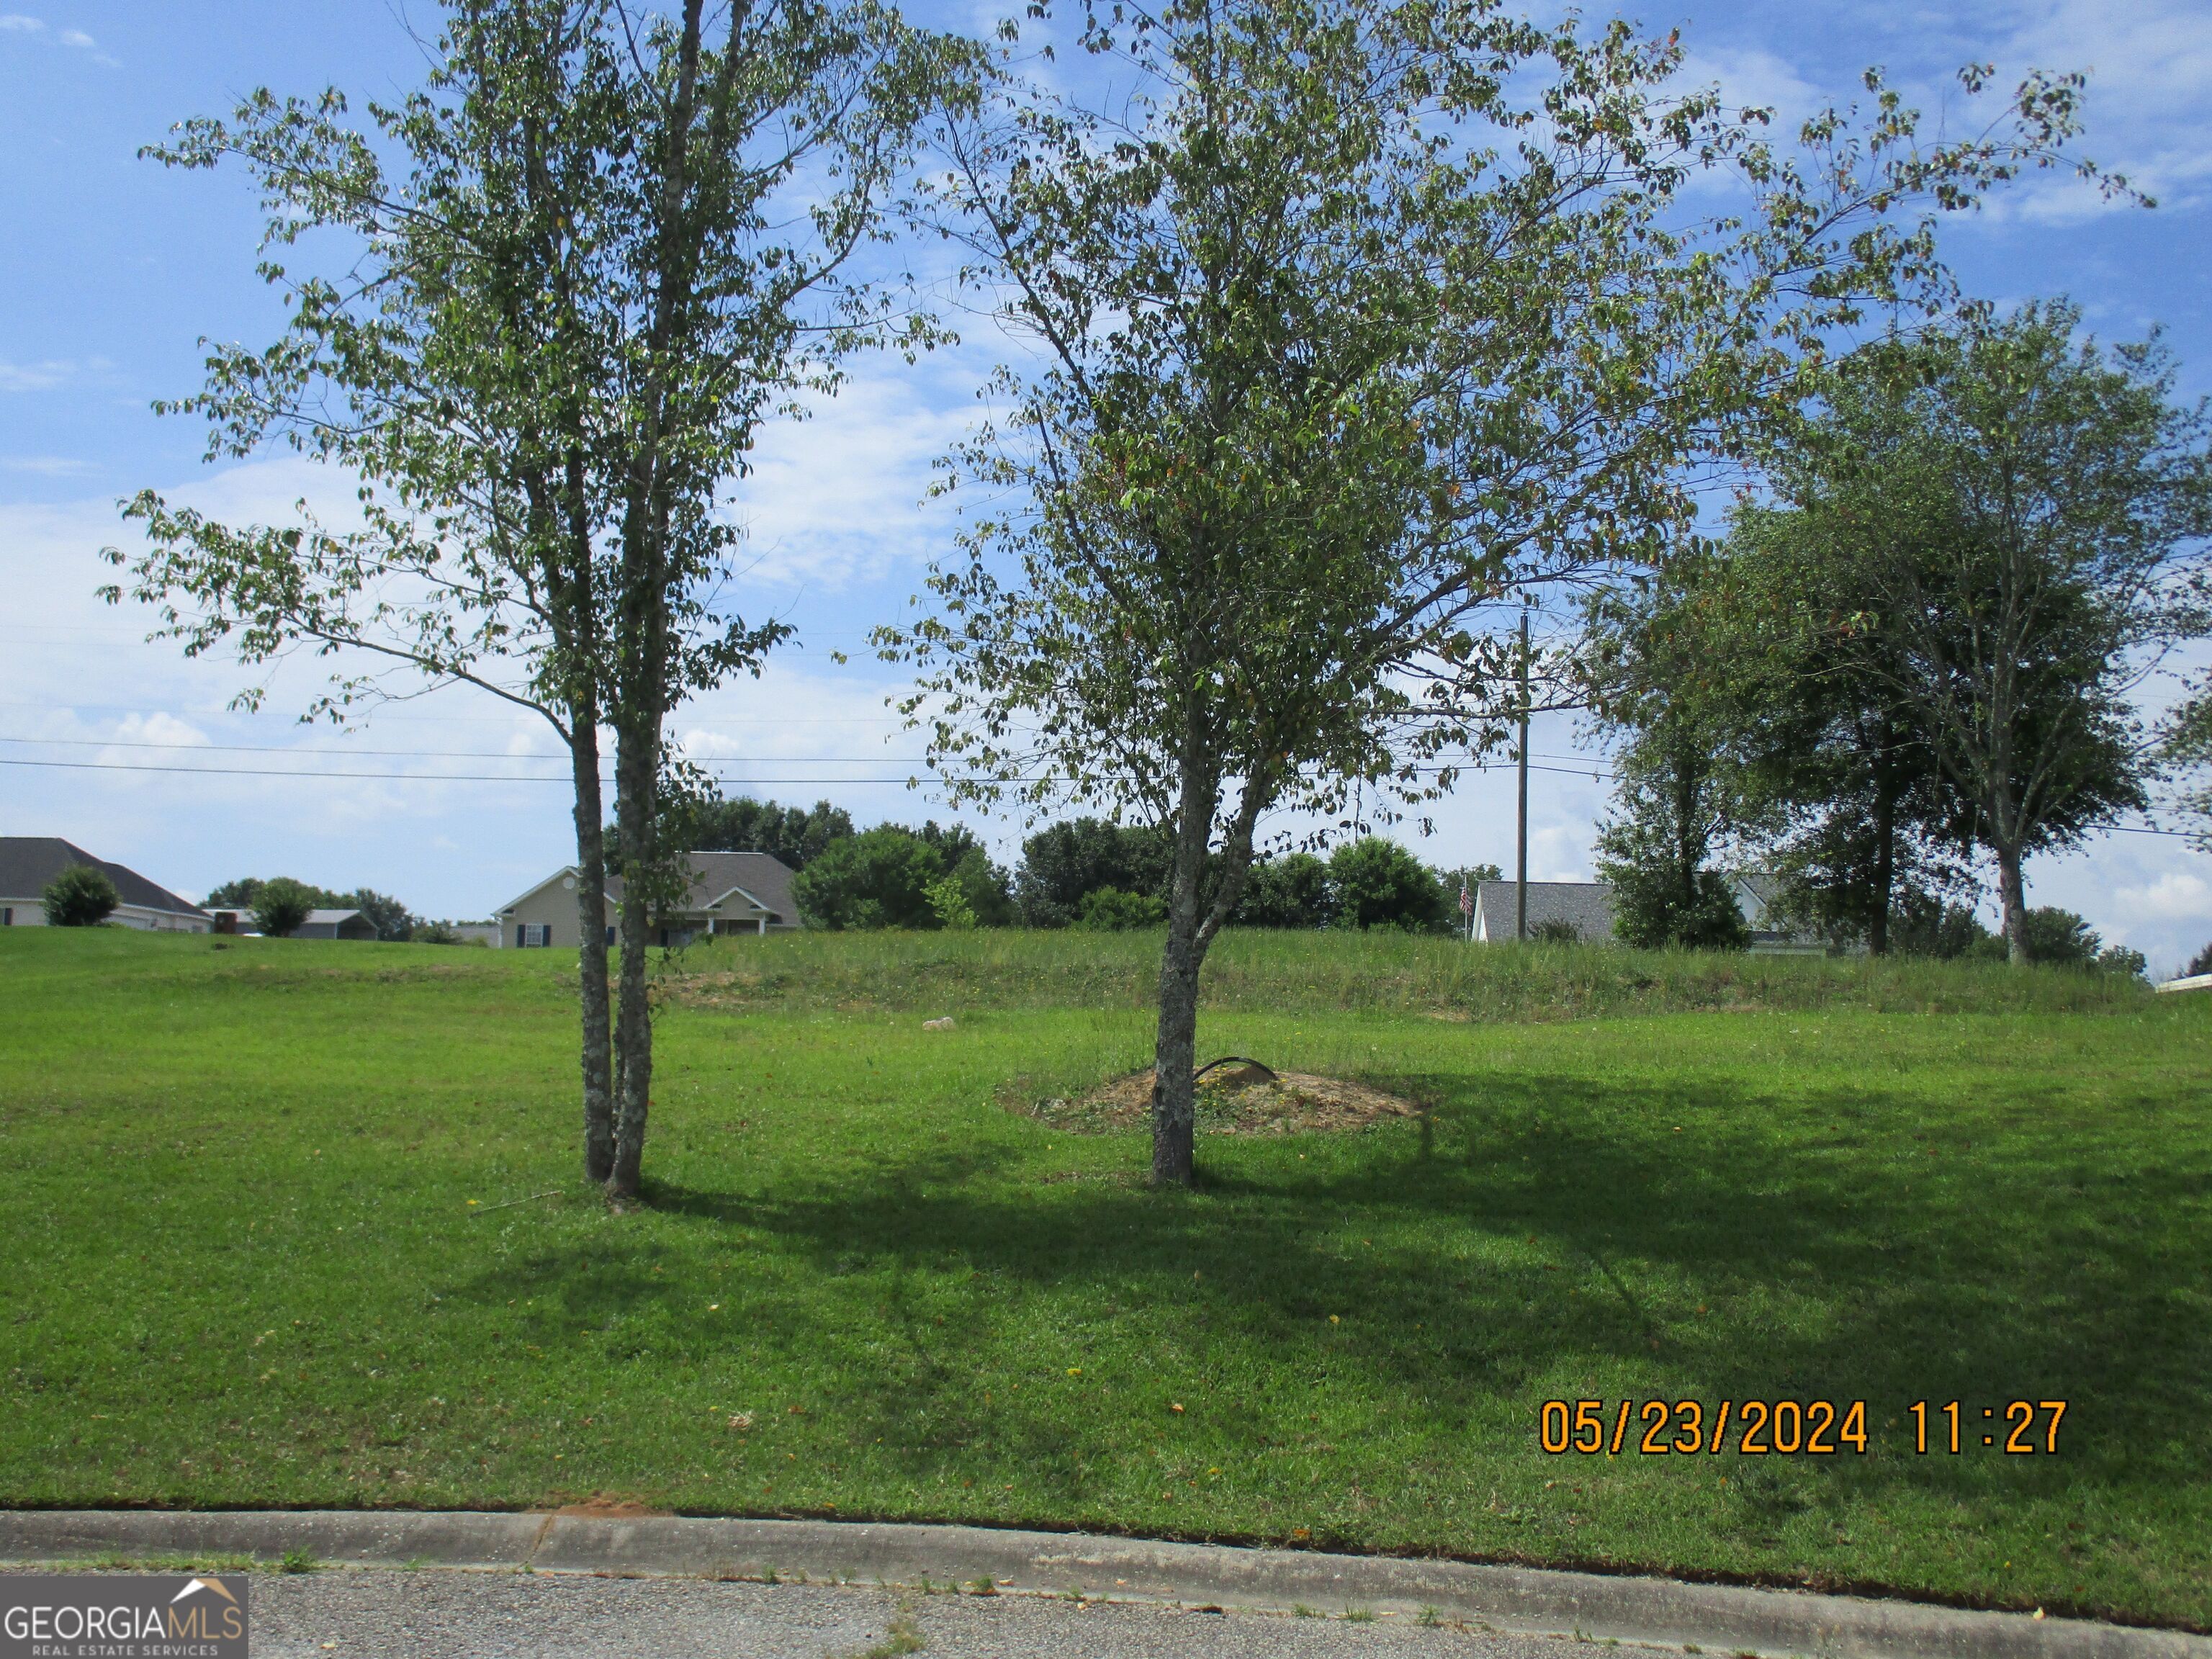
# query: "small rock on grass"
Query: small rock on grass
944,1025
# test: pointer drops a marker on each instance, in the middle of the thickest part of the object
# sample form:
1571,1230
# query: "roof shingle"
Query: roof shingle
27,863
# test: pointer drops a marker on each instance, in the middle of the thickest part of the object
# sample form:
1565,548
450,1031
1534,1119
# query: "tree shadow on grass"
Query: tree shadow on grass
1843,1255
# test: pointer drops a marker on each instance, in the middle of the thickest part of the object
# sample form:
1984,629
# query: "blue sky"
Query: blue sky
112,269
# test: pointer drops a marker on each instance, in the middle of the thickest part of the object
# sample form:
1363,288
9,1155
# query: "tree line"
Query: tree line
1347,329
279,904
1084,872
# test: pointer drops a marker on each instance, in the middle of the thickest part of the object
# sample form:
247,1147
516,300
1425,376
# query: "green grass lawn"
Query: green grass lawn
244,1267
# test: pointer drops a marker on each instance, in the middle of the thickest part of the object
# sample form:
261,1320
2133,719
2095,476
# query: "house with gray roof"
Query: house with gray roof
335,924
27,863
1772,934
1584,906
1587,908
728,893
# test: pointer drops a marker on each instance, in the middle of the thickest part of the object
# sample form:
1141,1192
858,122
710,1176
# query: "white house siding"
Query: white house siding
31,913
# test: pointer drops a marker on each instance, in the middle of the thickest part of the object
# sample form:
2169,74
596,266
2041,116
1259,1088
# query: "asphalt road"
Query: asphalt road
431,1615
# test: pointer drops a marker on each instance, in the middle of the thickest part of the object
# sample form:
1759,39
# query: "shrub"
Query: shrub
1374,882
880,878
894,876
2060,937
2120,959
1064,863
1290,892
1648,910
1557,931
2199,963
280,905
1110,910
949,899
1926,926
81,896
2056,938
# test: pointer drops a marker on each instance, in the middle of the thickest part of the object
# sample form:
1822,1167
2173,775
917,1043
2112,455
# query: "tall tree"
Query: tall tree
755,167
1661,668
1847,803
453,369
617,247
2018,508
1353,317
2186,745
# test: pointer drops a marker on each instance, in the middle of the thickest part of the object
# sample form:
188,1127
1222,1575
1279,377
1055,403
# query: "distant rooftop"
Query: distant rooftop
1585,906
27,863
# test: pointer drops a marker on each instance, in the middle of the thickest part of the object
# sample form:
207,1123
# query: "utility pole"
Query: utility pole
1521,855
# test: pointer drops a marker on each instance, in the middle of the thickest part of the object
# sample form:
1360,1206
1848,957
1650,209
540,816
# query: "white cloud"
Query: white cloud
1751,77
162,728
34,377
17,23
838,499
52,466
2153,893
2149,70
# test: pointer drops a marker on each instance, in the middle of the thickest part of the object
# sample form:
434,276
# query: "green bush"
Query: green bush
2061,938
880,878
1110,910
280,905
81,896
1064,863
1289,892
1375,883
2121,959
1927,927
1649,910
949,900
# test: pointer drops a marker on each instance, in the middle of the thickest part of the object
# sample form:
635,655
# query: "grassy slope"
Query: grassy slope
244,1269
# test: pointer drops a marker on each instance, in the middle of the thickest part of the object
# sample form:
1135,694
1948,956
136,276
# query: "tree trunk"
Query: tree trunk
1885,859
642,689
1174,1047
637,772
1175,1056
592,950
2012,894
1689,847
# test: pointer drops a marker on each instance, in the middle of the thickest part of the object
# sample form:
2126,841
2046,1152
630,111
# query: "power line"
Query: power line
393,754
1594,774
1573,766
521,777
388,716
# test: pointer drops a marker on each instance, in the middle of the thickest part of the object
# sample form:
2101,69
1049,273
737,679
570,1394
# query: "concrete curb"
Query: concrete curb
1720,1619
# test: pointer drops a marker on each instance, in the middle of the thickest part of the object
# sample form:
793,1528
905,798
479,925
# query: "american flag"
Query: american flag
1466,899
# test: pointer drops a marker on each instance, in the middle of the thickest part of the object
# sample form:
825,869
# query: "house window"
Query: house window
7,918
532,935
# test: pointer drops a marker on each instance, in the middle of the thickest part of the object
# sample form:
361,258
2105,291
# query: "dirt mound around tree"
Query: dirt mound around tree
1243,1098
